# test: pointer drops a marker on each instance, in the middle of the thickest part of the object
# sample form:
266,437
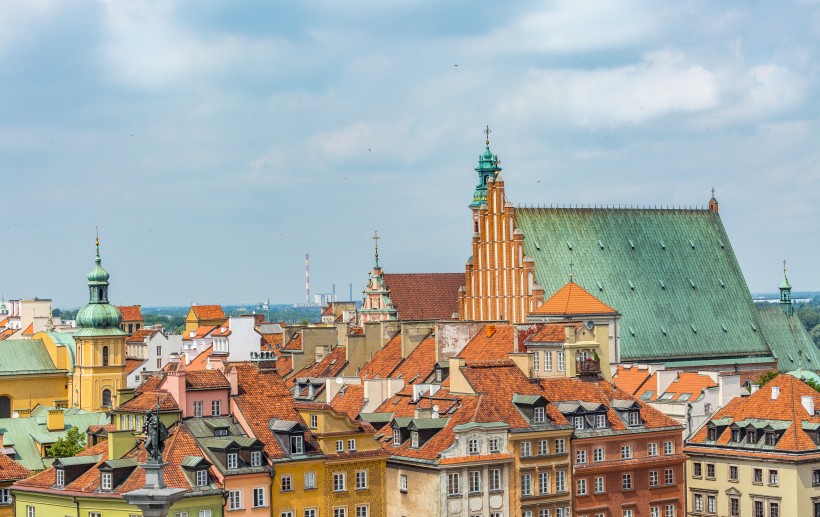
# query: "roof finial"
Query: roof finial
376,238
487,132
784,266
570,271
97,260
713,191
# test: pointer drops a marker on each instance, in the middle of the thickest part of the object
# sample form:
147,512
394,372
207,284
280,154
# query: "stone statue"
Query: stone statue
155,435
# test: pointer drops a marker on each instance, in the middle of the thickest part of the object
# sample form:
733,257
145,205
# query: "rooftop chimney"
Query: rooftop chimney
775,392
808,404
55,420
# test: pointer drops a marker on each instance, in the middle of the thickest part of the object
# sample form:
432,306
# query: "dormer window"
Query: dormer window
472,446
578,422
539,415
340,446
202,477
736,435
711,434
634,418
60,478
106,481
414,439
438,375
396,436
256,458
221,432
233,460
600,421
297,444
750,436
771,438
495,445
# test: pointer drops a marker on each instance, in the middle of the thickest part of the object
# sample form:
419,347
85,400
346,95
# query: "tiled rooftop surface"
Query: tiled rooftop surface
425,296
572,299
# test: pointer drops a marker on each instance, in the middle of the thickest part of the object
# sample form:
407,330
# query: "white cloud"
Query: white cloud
661,84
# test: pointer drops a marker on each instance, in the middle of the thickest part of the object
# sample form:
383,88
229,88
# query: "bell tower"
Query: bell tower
100,355
786,294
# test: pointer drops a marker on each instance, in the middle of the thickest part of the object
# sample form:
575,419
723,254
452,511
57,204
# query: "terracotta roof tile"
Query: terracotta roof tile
151,382
493,342
139,336
787,407
271,342
500,457
201,332
208,312
349,400
200,362
551,333
29,330
631,378
10,470
146,400
4,322
330,366
131,312
561,389
206,380
295,342
419,365
133,364
384,361
687,383
425,296
572,299
263,396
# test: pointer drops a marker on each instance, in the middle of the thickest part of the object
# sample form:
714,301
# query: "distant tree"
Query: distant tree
815,335
814,384
69,445
766,377
304,322
809,316
56,313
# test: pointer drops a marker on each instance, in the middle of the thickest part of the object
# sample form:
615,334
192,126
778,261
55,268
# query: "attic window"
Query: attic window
771,438
634,418
202,477
106,482
60,477
736,435
712,434
539,415
297,444
750,436
396,437
414,439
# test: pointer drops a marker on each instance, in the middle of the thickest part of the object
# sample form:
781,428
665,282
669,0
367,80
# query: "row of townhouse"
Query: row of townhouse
238,443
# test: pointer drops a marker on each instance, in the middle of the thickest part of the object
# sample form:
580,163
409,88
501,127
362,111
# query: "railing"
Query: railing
588,366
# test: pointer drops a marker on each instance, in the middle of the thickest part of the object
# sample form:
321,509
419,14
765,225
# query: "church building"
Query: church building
670,273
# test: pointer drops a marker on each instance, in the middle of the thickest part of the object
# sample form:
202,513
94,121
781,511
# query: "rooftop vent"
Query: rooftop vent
808,404
775,392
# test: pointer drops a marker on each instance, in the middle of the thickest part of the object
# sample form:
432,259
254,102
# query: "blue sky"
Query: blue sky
214,143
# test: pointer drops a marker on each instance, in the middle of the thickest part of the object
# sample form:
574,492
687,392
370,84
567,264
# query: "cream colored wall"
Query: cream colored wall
423,496
793,489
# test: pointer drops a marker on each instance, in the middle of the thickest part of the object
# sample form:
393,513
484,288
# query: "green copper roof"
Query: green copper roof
25,356
98,313
788,339
671,273
805,375
784,284
487,168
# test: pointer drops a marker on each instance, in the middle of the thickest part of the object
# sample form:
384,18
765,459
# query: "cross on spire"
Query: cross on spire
713,191
98,235
376,238
487,132
784,266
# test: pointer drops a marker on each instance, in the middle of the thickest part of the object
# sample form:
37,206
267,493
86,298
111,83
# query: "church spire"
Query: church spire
786,293
376,303
98,313
376,238
713,203
488,167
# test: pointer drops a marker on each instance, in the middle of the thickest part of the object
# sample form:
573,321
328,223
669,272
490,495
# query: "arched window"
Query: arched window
5,407
105,356
100,294
106,398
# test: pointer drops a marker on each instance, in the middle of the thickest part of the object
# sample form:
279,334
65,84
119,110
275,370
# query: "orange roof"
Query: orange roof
383,361
146,400
630,378
131,312
29,330
494,342
206,380
133,364
691,383
787,407
139,336
180,443
201,361
10,470
271,342
572,299
201,332
208,312
419,365
4,322
425,296
263,396
330,366
349,400
551,333
501,456
295,342
561,389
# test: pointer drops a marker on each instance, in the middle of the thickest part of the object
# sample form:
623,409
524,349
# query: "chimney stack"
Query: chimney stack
55,420
775,392
808,404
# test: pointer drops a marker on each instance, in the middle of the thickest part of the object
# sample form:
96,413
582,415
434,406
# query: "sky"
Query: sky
215,143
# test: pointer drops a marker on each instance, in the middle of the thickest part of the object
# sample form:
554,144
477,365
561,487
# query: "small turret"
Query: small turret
713,203
98,313
786,293
488,168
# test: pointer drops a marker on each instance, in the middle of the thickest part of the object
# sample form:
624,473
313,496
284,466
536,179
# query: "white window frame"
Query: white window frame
351,445
562,361
216,408
339,482
362,510
403,482
539,415
233,460
286,483
652,449
560,445
256,458
580,457
453,484
560,481
526,449
668,448
361,479
581,486
340,446
526,484
235,500
314,421
202,477
106,481
544,482
297,444
472,446
598,485
598,454
536,360
259,497
474,479
626,452
59,477
543,447
310,480
494,479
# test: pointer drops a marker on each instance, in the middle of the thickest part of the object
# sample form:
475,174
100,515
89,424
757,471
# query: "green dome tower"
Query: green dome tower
487,168
98,313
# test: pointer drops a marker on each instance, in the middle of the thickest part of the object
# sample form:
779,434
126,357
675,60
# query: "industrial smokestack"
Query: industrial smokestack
307,278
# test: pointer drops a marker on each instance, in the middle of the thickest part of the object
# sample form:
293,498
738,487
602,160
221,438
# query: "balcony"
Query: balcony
588,367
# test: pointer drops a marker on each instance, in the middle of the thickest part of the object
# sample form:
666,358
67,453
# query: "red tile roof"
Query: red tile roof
10,470
349,400
208,312
631,378
384,361
494,342
295,342
200,362
551,333
131,312
201,331
146,400
330,366
498,457
419,365
133,364
29,330
206,380
560,389
425,296
4,322
572,299
691,383
180,443
787,407
141,335
263,396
